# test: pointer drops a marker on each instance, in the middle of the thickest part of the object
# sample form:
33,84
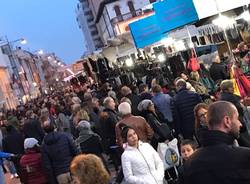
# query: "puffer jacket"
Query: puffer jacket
183,111
58,149
31,168
142,165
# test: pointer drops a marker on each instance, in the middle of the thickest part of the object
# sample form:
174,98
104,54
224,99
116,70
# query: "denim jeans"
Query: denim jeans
2,177
10,165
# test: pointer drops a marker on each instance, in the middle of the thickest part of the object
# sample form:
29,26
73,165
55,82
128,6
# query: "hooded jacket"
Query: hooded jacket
58,149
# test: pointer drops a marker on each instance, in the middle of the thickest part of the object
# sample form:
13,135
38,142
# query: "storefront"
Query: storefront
7,98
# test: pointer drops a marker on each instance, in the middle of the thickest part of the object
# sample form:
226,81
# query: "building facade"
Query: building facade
86,23
113,16
8,90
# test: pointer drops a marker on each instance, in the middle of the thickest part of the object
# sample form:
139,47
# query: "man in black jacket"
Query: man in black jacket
219,160
218,70
227,94
183,110
32,127
135,99
58,150
108,120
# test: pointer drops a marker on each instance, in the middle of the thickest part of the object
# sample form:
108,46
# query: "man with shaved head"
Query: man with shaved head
219,160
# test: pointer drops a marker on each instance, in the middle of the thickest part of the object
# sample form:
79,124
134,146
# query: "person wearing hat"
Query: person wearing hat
148,111
31,163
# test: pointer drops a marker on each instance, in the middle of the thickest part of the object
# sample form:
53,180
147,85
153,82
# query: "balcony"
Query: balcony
126,16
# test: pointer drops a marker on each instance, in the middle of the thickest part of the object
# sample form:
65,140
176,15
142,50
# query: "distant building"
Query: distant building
86,22
9,90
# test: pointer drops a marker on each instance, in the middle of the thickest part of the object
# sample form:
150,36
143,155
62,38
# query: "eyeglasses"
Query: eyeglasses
203,115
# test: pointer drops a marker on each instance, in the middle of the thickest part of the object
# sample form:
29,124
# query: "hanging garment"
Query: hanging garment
207,41
202,40
176,65
93,65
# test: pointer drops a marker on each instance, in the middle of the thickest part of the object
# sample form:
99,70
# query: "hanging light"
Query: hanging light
40,52
245,15
129,62
223,21
23,41
161,57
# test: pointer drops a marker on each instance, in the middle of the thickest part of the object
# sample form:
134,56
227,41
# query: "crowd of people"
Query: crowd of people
76,136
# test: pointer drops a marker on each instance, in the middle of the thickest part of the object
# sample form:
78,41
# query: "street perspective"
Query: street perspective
125,92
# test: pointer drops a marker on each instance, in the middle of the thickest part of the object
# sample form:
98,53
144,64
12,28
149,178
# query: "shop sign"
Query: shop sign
172,14
77,67
146,31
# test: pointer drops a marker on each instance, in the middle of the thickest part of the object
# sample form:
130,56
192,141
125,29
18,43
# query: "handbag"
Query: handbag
193,63
169,153
163,131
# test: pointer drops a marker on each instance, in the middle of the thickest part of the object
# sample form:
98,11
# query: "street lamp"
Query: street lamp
23,41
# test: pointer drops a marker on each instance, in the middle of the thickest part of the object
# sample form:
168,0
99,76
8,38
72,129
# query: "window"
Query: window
93,33
89,12
152,1
132,8
117,10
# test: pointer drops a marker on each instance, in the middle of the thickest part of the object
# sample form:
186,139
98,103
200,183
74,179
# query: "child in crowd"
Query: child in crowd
188,147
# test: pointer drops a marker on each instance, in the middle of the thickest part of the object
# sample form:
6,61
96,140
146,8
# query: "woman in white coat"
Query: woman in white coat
140,162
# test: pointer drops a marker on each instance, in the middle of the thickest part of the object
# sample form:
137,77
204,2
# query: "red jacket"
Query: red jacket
32,171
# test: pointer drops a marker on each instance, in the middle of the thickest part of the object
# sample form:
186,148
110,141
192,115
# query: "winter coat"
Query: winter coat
163,105
139,124
3,155
63,123
1,140
183,109
108,120
88,141
32,129
142,165
218,161
218,72
13,142
57,149
145,96
199,87
31,168
244,139
234,99
135,100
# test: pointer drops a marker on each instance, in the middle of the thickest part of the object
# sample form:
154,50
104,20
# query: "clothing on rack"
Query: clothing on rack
176,65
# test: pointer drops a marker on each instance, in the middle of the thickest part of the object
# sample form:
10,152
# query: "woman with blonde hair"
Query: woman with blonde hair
89,169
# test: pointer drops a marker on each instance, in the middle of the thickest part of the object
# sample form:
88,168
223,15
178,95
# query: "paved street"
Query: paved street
11,181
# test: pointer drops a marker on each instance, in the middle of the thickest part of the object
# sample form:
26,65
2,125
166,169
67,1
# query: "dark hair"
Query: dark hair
192,143
124,131
217,111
